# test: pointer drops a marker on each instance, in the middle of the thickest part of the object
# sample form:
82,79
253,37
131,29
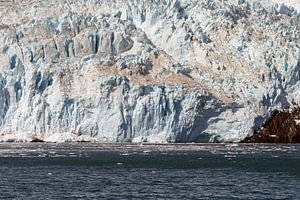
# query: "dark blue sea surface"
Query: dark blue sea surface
196,171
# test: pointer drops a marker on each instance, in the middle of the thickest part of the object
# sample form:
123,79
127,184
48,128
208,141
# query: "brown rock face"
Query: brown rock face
283,127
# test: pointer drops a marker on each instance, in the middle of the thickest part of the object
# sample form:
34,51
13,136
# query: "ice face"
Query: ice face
159,71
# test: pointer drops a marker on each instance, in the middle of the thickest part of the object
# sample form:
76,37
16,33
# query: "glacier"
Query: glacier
154,71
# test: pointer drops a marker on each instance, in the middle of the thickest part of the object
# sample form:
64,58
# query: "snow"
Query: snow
141,71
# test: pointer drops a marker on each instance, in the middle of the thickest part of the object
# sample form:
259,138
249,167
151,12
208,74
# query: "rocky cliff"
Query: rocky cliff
282,127
145,71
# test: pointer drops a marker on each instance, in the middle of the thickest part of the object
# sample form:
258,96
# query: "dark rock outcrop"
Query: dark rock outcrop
282,127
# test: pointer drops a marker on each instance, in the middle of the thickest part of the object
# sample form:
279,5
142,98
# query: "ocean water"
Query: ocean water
98,171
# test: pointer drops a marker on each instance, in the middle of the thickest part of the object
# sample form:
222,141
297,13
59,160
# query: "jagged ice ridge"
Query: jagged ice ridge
145,71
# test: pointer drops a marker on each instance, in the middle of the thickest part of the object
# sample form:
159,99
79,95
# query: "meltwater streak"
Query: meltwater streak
74,171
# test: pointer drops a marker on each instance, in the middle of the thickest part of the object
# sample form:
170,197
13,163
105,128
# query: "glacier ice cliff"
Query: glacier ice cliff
145,71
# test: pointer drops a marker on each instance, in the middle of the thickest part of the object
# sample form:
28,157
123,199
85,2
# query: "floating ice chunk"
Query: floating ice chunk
67,137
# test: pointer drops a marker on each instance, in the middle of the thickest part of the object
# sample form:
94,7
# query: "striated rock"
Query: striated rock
145,71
